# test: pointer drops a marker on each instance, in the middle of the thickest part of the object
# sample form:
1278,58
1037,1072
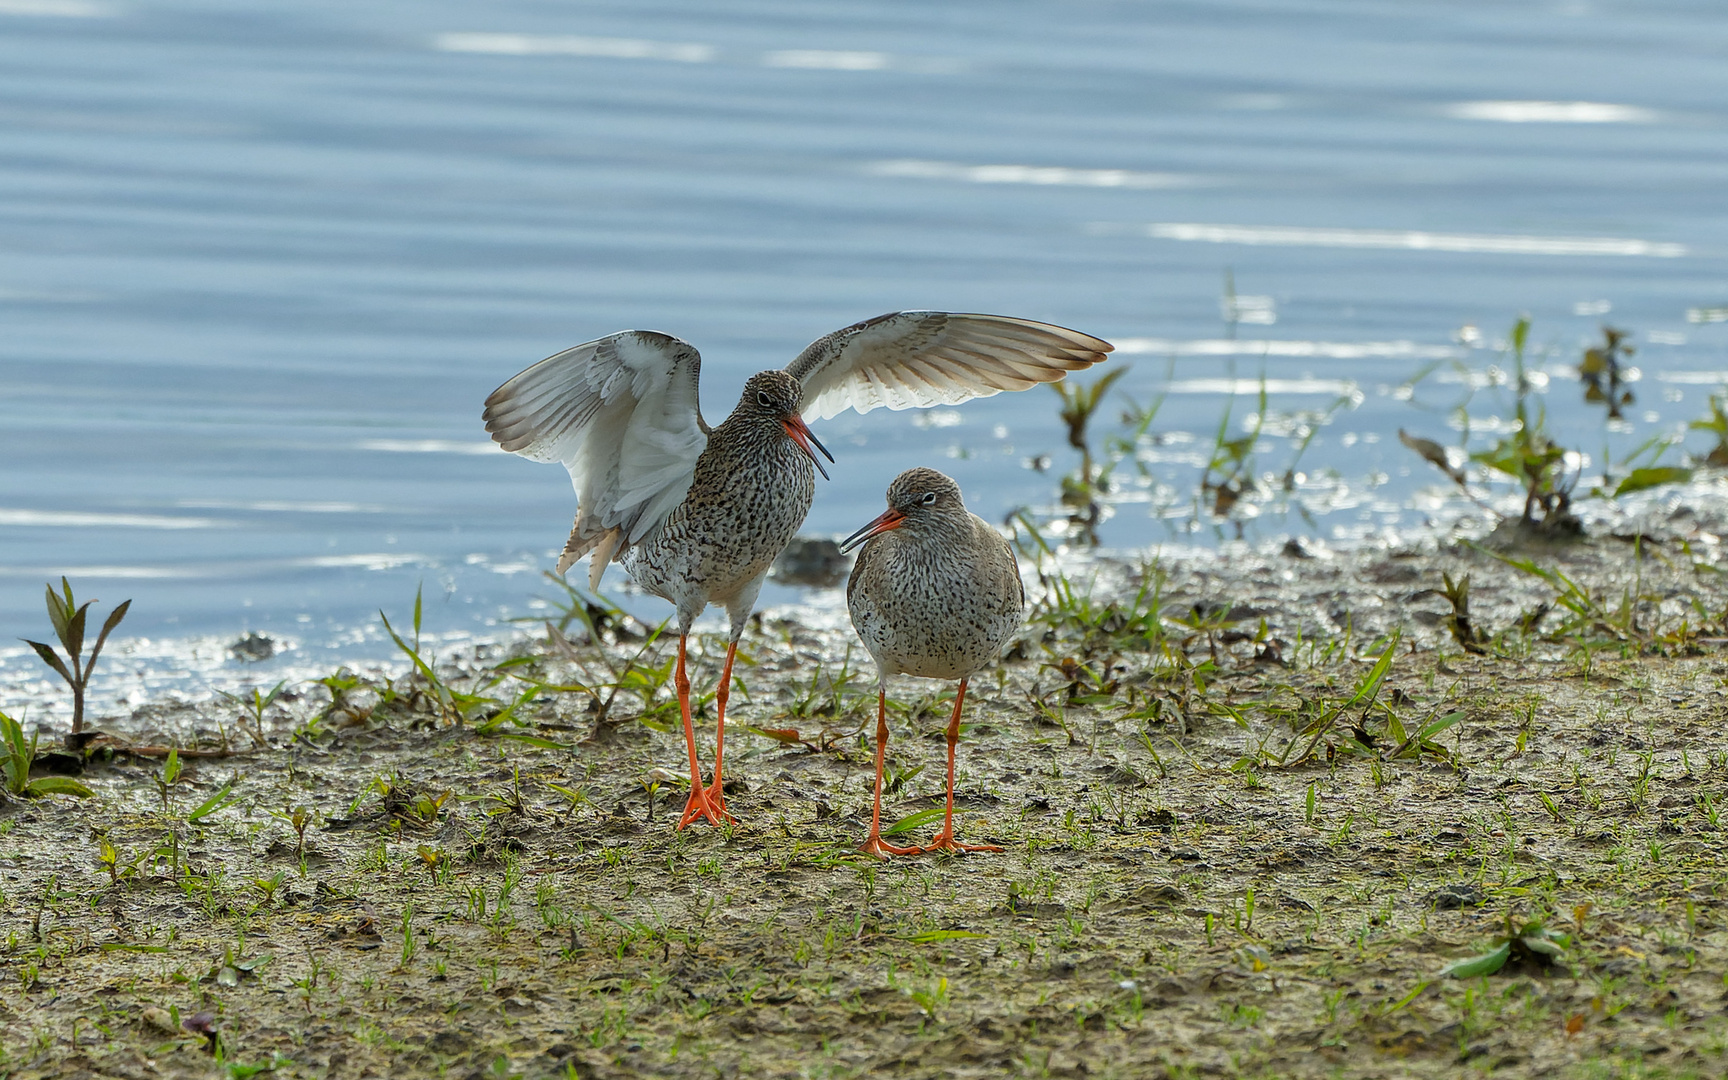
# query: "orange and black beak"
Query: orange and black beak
889,519
799,432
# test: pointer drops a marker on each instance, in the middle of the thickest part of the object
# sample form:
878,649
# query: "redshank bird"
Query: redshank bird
697,514
936,593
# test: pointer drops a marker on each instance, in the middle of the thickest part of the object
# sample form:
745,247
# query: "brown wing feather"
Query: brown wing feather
907,359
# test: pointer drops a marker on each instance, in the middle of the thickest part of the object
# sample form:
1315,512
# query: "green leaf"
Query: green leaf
1370,686
214,803
439,690
572,794
1435,728
57,785
1640,479
1545,942
51,658
237,1071
941,935
108,626
59,611
912,821
1408,998
531,740
1395,729
1520,334
13,733
74,639
1473,967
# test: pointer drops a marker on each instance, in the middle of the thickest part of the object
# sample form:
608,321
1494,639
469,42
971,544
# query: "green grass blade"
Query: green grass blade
942,935
1473,967
214,803
1451,719
1641,479
57,785
913,821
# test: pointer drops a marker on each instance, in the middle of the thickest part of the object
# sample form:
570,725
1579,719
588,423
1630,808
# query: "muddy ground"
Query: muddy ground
1229,852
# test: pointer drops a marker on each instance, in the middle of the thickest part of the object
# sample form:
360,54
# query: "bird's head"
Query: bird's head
776,397
916,497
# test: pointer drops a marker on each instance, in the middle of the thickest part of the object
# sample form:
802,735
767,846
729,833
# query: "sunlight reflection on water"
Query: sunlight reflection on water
263,265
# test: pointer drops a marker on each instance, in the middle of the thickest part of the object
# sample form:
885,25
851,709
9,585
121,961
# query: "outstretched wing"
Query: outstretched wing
913,358
620,413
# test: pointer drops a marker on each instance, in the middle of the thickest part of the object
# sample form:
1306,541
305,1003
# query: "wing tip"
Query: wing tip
1073,339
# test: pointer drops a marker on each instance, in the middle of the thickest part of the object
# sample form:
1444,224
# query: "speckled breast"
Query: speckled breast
932,618
736,520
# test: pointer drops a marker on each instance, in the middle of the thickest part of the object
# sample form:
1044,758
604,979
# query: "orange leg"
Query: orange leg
715,794
944,840
698,805
876,845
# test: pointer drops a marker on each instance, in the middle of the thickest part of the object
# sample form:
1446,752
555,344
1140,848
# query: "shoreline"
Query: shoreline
153,675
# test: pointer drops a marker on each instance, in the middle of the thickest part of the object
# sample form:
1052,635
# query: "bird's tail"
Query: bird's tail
582,541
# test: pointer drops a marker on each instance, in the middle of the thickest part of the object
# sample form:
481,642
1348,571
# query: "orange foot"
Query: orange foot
882,849
718,798
944,841
701,804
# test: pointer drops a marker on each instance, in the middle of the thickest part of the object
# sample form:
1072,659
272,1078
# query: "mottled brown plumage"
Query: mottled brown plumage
936,593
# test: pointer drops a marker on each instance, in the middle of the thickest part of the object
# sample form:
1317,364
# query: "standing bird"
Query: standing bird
697,514
936,593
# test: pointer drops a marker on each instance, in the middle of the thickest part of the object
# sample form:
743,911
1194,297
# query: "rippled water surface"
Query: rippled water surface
260,264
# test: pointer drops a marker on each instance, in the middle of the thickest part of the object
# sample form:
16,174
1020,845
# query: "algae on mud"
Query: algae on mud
1173,901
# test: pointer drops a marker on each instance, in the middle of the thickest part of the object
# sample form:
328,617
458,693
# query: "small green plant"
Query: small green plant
1524,453
453,705
68,618
1716,424
297,819
266,887
119,868
17,756
168,776
932,1000
1366,695
408,943
1421,741
600,618
1080,490
1457,593
1533,941
1529,456
254,705
1230,470
1601,373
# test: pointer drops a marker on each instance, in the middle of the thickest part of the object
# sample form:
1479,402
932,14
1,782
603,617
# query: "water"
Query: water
260,265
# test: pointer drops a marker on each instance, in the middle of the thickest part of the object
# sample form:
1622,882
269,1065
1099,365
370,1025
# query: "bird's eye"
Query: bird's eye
929,498
762,398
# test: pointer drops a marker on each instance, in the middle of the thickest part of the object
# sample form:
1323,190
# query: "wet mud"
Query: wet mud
1252,807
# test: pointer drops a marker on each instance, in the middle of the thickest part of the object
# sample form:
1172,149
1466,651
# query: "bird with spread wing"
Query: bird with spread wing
698,513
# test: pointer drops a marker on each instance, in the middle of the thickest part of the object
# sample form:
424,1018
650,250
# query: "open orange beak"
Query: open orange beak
889,519
799,432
